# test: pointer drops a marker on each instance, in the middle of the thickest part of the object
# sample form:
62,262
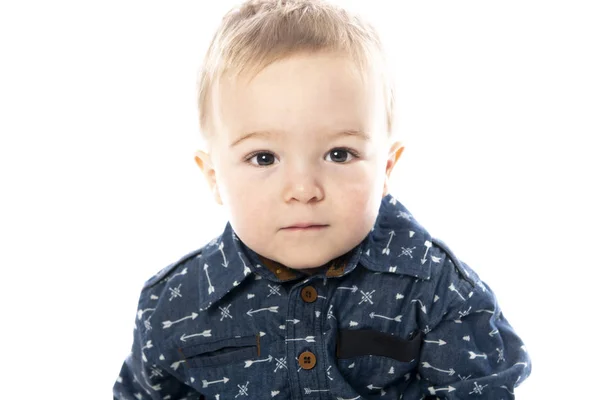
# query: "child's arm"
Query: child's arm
142,376
472,351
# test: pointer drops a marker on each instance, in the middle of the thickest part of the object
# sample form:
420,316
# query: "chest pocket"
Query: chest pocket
372,361
221,352
232,367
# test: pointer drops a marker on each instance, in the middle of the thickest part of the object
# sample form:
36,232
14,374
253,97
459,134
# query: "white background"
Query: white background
499,107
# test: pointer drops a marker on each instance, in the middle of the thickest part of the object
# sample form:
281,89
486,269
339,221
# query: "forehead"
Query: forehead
299,94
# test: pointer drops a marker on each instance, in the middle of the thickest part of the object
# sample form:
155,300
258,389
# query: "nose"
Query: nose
303,185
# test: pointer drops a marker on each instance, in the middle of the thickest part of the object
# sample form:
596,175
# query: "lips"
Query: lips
305,227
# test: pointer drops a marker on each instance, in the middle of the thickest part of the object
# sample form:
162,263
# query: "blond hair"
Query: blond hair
260,32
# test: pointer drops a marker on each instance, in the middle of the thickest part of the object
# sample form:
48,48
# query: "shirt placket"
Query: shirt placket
304,341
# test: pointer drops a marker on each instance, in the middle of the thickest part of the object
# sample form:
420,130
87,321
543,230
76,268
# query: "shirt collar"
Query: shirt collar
396,244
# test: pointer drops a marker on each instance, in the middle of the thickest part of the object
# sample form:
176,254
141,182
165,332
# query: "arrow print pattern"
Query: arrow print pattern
399,298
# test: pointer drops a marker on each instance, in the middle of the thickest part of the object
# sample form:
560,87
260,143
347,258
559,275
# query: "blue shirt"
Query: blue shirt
398,317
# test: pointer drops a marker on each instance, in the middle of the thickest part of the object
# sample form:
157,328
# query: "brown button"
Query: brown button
307,360
309,294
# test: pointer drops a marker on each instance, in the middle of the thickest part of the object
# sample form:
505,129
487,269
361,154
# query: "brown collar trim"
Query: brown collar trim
336,268
281,271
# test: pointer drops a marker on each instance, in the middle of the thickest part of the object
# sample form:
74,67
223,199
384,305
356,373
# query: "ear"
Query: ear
205,164
394,154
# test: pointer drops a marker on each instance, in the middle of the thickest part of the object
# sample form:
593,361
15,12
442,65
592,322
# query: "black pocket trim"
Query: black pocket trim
362,342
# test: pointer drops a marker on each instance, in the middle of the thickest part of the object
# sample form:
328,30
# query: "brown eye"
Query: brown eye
262,159
339,156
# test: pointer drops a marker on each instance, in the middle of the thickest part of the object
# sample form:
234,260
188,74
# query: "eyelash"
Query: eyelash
250,156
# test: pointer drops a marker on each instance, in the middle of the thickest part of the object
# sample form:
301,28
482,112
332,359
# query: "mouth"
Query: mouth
304,227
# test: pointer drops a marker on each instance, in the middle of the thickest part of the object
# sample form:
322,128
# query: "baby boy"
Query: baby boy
322,285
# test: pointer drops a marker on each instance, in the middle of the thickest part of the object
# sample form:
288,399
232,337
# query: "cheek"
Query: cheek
363,181
365,190
233,185
245,201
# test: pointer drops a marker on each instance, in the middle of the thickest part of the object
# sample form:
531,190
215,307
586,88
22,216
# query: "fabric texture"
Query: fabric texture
398,317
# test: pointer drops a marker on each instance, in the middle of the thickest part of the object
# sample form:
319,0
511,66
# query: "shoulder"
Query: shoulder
153,288
176,267
456,265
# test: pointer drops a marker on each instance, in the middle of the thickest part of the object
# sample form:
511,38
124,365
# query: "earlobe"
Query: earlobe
205,164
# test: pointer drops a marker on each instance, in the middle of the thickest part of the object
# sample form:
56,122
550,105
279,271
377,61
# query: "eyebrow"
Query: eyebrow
268,134
257,134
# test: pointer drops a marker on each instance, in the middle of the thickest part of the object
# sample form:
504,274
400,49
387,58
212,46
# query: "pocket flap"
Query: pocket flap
361,342
220,346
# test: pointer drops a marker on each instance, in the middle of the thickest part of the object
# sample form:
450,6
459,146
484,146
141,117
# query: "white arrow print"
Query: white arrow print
439,342
168,324
370,386
449,372
205,333
294,321
354,288
399,296
183,272
432,390
309,391
383,392
148,345
206,383
271,309
472,355
250,362
246,269
494,332
175,365
274,393
428,245
225,263
453,288
354,398
141,312
397,318
423,308
387,247
211,288
309,339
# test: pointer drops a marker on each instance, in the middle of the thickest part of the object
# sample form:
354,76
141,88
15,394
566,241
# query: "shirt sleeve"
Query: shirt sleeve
472,352
142,377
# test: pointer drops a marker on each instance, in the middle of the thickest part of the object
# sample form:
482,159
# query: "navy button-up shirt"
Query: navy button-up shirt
398,317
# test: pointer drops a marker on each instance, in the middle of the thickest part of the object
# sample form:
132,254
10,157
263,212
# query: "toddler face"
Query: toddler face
300,157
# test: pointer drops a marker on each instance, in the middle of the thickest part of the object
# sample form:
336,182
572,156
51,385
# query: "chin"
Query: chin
300,261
